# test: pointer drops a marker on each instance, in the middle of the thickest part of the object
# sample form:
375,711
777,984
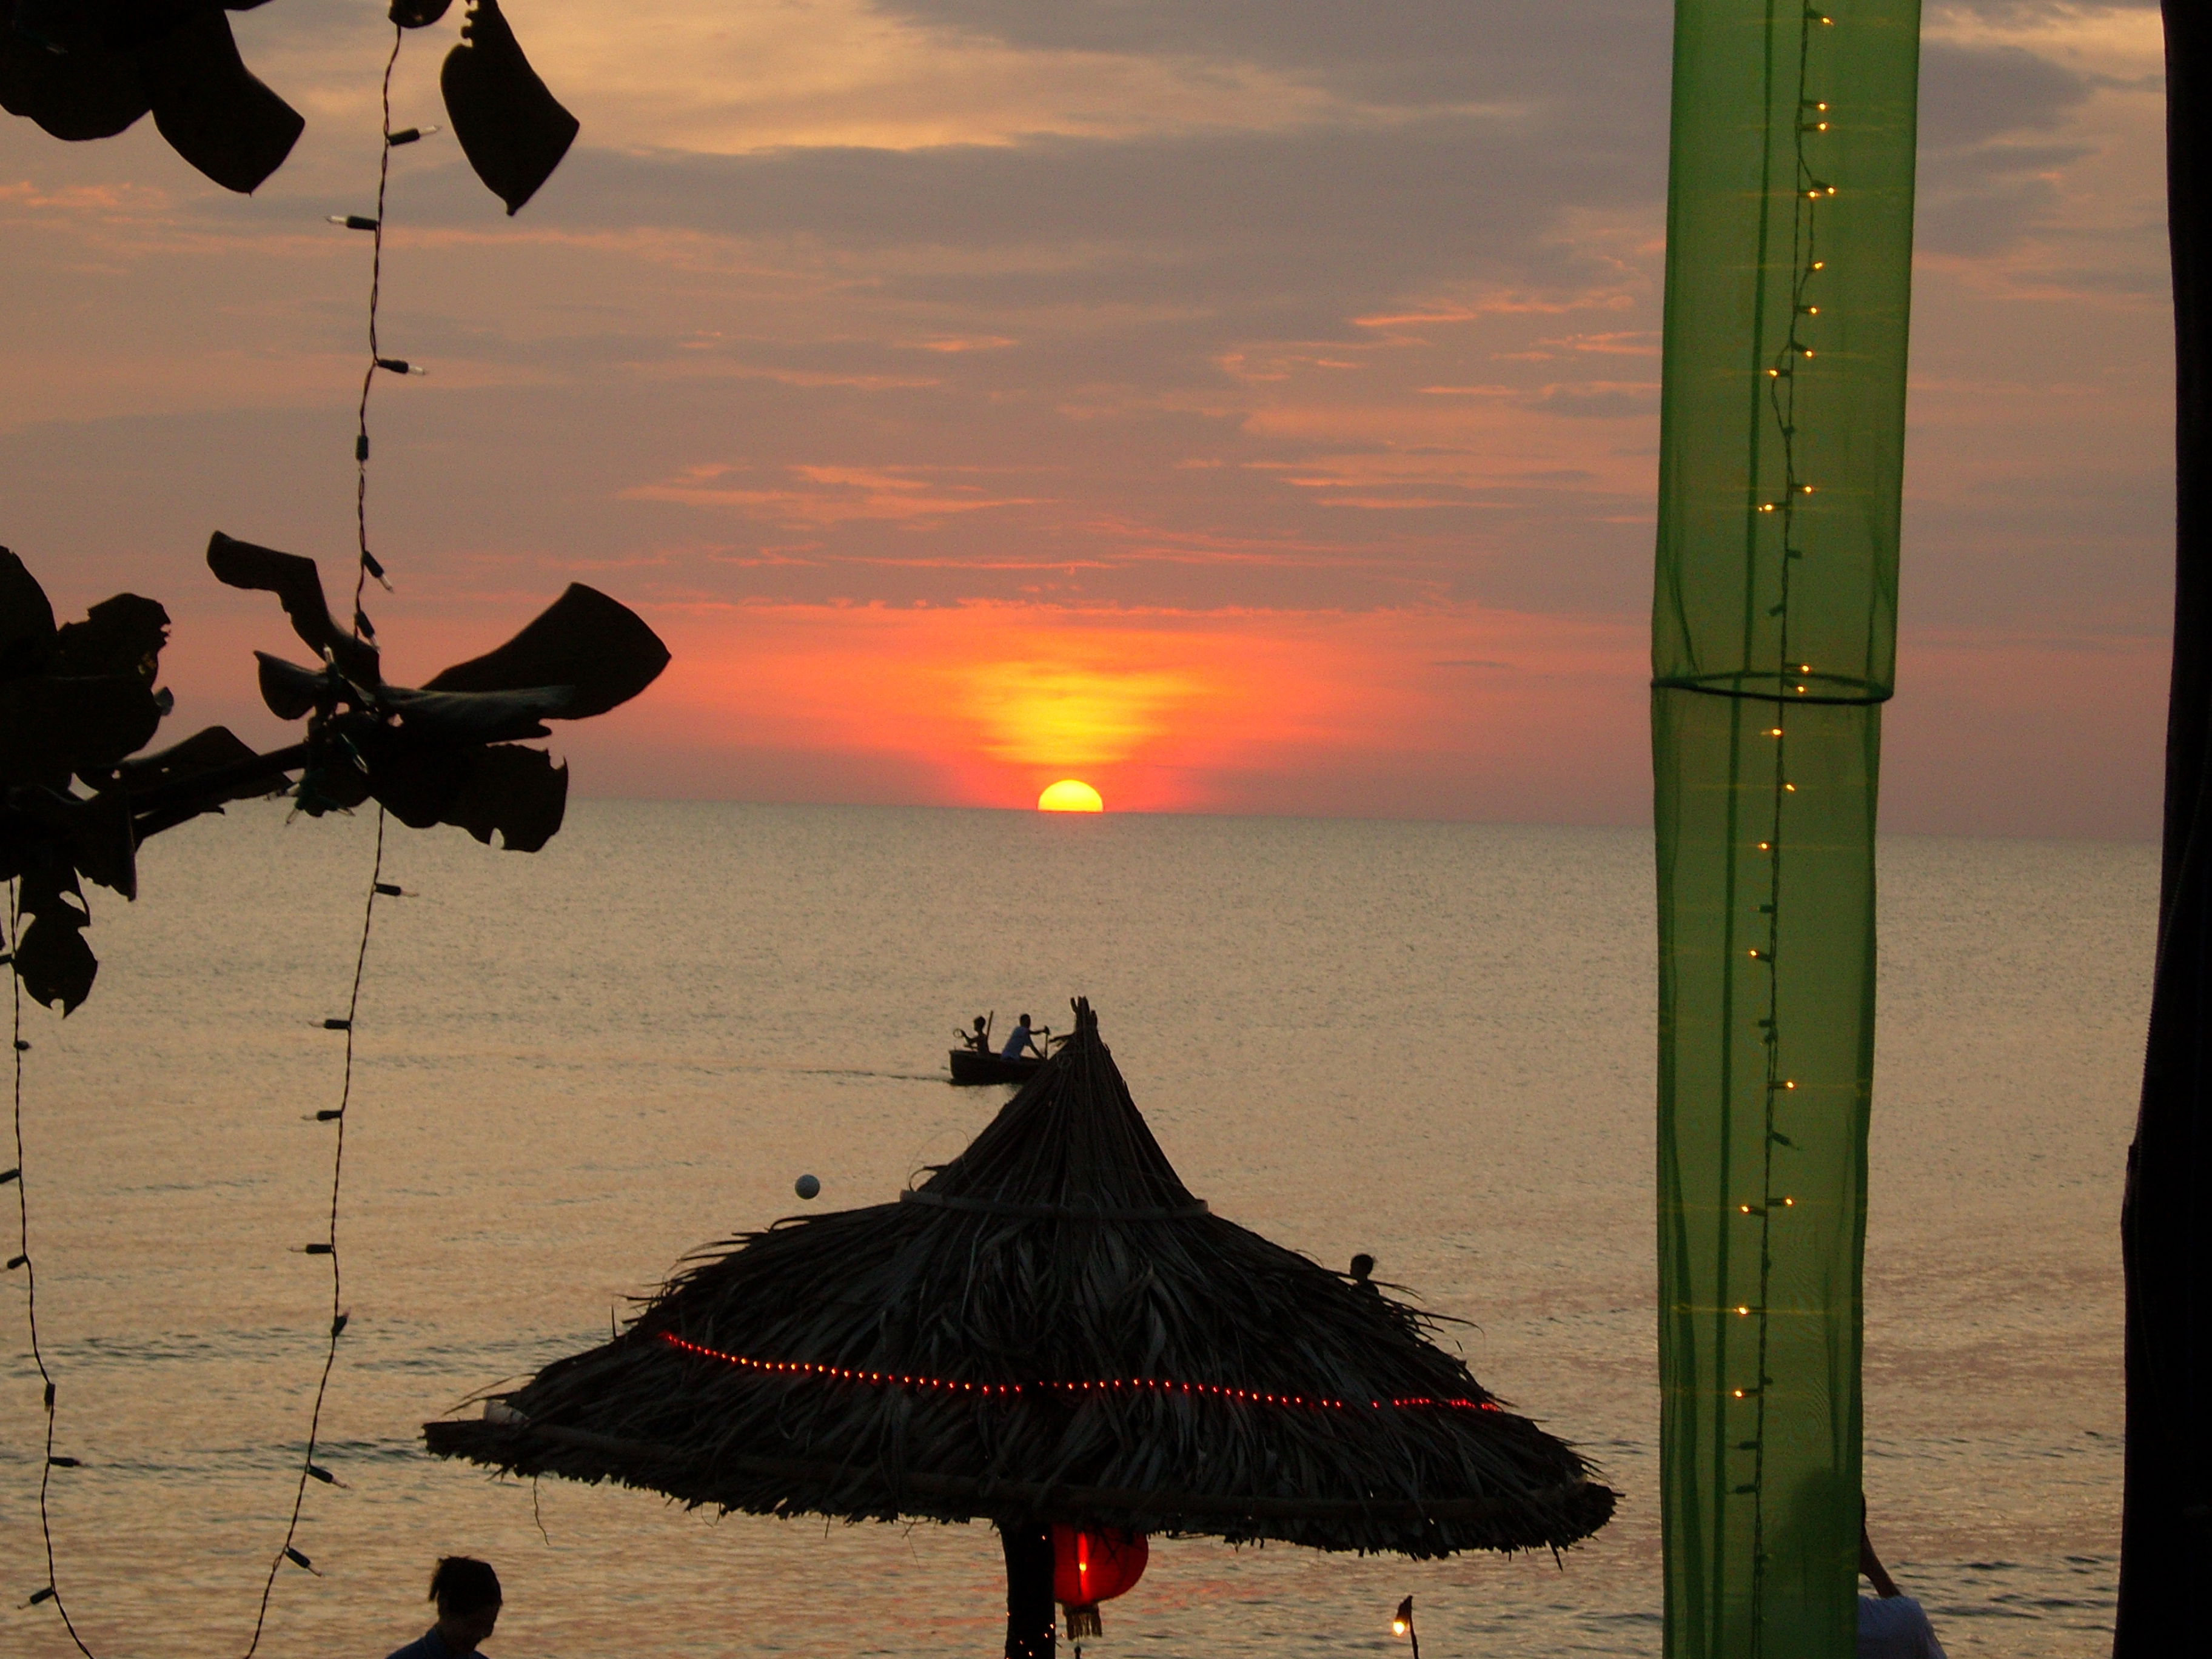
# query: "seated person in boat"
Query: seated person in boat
1021,1042
979,1039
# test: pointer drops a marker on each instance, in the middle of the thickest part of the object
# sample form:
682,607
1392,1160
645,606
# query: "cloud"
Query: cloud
822,496
1159,709
1970,94
1301,323
1607,399
1296,222
1417,52
1989,170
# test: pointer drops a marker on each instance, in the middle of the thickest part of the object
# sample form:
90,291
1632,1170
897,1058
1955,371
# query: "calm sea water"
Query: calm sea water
1429,1042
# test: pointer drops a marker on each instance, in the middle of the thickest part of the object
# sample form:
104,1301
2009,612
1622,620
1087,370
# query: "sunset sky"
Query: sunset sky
1243,406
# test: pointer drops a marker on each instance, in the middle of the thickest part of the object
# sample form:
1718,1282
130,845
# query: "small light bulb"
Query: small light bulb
1831,190
1791,787
1819,264
1790,1203
1738,1393
1820,107
1743,1310
1812,311
1762,846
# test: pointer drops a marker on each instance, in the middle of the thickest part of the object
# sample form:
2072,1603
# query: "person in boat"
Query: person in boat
1021,1042
979,1040
1892,1624
466,1591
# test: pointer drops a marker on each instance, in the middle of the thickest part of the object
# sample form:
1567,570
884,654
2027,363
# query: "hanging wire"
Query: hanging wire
51,1592
309,1470
288,1550
368,566
285,1551
1809,192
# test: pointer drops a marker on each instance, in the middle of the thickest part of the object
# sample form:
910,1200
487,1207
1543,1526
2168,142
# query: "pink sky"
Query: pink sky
1246,407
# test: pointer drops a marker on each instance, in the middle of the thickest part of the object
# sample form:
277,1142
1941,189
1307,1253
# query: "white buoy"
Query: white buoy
806,1186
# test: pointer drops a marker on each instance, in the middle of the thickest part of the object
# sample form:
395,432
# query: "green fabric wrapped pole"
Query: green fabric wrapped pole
1789,253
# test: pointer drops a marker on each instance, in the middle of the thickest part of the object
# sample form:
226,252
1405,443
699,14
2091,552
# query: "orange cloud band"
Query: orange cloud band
1160,711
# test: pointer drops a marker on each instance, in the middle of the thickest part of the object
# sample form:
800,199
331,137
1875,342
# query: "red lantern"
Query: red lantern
1090,1567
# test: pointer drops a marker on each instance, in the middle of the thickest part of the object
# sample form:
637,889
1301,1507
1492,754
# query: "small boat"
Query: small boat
968,1065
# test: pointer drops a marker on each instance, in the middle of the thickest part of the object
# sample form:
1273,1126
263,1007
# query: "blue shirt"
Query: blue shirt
1016,1044
431,1645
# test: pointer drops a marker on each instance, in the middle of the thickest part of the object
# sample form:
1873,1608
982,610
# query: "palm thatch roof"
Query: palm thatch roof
1050,1328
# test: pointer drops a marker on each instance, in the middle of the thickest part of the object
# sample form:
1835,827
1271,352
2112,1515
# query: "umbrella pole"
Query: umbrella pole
1032,1627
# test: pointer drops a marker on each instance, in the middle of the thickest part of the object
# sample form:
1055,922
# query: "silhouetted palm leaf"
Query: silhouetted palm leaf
298,585
513,131
89,69
441,753
77,702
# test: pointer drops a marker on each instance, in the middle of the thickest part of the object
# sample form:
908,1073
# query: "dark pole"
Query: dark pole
1403,1623
1032,1628
2165,1525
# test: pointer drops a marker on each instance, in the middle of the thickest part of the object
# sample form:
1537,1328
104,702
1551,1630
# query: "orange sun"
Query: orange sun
1070,795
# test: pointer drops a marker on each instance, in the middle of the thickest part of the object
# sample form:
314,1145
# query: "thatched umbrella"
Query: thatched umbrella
1048,1329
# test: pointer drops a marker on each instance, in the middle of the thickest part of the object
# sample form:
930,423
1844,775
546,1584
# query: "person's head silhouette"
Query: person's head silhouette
467,1593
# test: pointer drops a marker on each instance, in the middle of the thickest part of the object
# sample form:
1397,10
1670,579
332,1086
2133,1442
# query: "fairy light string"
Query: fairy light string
51,1591
309,1469
1811,190
369,567
363,628
1159,1385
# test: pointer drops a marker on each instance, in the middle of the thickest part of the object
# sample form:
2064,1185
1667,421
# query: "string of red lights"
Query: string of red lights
1152,1384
